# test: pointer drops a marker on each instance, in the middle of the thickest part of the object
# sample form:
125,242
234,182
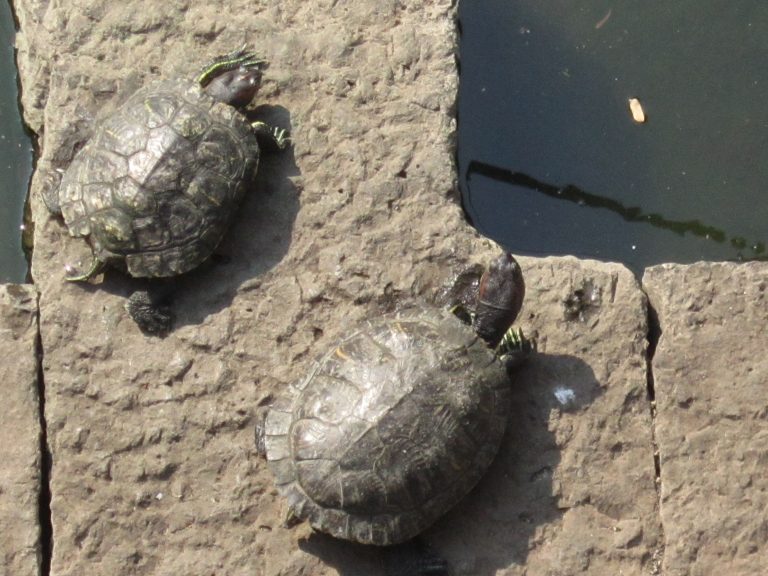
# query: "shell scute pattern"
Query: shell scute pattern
190,121
328,401
133,198
120,235
392,427
160,109
159,181
122,137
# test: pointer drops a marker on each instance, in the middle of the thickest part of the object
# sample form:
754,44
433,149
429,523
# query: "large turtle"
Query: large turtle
155,188
401,418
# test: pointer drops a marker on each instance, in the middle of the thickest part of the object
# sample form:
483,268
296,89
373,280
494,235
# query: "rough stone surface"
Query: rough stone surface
572,490
19,432
155,469
711,376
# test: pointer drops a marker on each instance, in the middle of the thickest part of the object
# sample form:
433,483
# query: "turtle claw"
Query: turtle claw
271,137
282,137
515,347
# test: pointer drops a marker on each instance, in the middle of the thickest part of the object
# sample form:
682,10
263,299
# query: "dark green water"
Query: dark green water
551,161
15,158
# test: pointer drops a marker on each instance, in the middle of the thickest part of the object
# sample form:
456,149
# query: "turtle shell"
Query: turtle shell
393,426
157,184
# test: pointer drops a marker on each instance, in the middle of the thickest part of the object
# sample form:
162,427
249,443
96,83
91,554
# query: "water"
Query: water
551,160
15,158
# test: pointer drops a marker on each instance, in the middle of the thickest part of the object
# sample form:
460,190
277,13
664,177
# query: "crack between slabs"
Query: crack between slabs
45,462
44,497
654,334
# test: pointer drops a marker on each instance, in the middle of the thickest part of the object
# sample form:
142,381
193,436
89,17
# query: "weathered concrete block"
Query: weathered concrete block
573,488
19,432
711,378
154,464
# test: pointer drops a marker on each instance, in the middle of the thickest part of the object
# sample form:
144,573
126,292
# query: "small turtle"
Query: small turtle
401,418
155,188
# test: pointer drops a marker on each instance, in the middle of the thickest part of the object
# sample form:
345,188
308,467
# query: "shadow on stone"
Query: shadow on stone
412,558
348,558
507,513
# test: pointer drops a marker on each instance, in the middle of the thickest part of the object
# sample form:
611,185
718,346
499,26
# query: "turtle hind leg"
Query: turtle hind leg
151,311
50,183
413,558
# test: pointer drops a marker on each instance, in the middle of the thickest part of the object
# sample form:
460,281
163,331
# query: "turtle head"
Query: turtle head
499,299
233,78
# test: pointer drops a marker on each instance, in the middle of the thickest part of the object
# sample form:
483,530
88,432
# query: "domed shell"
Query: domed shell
393,426
157,184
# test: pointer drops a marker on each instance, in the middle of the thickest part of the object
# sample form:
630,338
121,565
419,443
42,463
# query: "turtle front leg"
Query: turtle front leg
50,183
271,138
515,347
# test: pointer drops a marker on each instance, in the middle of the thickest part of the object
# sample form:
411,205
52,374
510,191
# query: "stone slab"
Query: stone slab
20,468
155,469
573,488
711,381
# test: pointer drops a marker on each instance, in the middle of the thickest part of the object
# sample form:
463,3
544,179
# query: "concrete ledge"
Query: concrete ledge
711,381
20,471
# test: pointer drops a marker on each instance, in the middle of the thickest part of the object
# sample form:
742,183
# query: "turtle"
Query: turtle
398,421
155,188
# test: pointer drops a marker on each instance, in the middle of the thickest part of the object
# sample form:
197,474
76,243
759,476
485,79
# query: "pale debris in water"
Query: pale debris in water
638,115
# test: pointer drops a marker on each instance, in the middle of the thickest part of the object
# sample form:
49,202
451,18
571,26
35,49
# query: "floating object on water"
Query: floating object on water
638,115
604,19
